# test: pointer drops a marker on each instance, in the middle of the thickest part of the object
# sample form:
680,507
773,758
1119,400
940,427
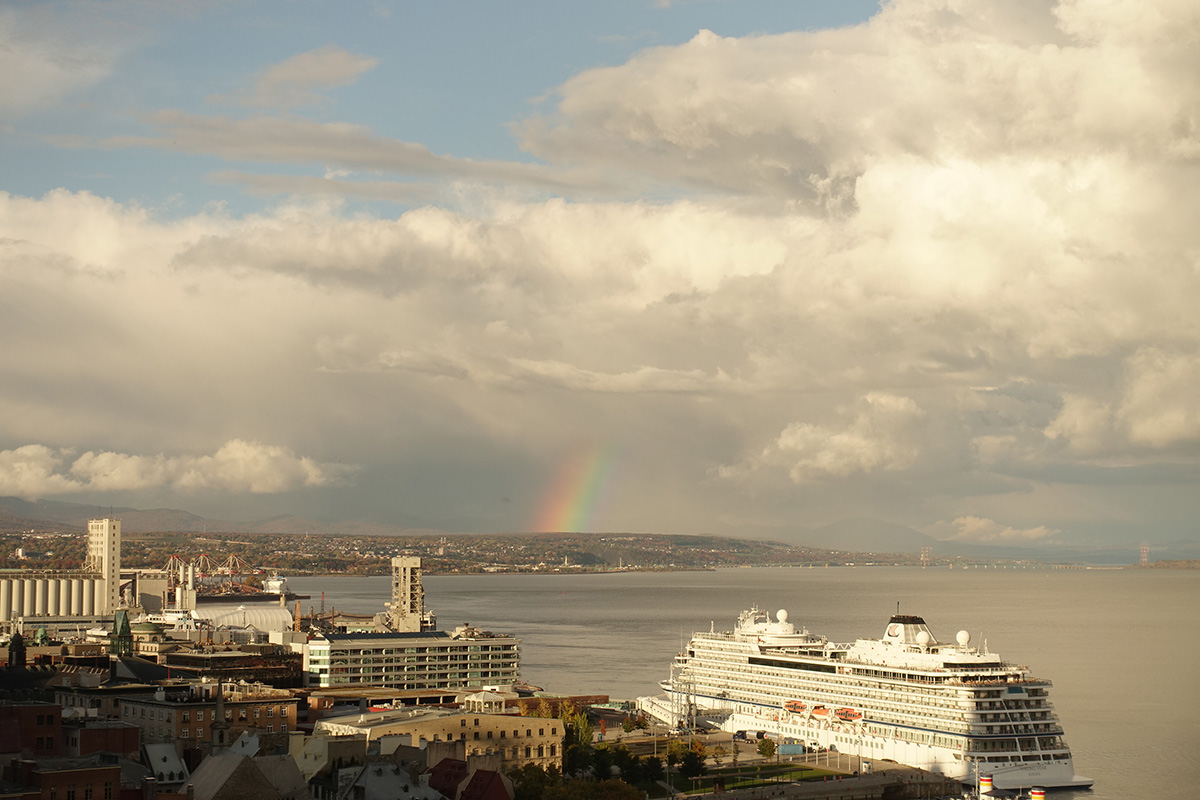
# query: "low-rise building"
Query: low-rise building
62,778
515,740
186,715
37,726
84,735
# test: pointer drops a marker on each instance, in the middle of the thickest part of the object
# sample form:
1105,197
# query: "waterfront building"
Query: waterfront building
66,598
514,740
468,657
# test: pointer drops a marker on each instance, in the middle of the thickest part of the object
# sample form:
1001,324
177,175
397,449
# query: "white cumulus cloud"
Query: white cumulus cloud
884,435
237,466
987,531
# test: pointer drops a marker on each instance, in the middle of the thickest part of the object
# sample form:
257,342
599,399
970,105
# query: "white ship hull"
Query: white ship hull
945,708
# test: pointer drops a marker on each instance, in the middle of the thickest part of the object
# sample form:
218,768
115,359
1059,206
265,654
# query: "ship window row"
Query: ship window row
928,697
832,691
875,691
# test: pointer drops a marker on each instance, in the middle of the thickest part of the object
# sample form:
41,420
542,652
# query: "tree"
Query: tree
602,763
718,753
611,789
622,758
627,725
633,771
692,765
577,759
652,768
530,782
735,751
675,751
579,729
766,748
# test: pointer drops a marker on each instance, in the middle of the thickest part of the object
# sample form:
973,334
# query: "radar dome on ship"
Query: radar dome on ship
963,638
923,638
781,615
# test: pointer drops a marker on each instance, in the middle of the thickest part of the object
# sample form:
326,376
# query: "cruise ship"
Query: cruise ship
945,707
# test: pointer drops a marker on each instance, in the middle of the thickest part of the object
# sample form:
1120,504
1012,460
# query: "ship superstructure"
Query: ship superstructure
946,707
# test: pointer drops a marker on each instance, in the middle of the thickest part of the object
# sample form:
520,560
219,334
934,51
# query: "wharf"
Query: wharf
898,783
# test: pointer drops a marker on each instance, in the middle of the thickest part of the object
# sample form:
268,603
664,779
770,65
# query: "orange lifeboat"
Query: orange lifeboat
848,715
820,711
794,706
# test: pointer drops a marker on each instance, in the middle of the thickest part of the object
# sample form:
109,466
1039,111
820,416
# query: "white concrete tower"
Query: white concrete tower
408,596
104,558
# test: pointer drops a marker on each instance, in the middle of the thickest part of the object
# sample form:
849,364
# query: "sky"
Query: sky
671,267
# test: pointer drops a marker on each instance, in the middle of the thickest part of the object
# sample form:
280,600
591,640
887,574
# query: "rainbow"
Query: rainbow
577,489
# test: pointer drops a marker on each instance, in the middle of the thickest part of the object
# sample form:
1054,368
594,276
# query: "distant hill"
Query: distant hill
52,513
863,535
18,514
856,534
867,535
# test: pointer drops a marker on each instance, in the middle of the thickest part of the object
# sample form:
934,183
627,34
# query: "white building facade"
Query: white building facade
466,658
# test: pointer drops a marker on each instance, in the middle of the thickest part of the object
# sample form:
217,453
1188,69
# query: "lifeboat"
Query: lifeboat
794,706
820,711
848,715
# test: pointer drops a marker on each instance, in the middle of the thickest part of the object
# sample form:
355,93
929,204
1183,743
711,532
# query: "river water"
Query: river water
1120,645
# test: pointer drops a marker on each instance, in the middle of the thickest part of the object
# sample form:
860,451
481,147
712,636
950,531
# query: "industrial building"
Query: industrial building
47,596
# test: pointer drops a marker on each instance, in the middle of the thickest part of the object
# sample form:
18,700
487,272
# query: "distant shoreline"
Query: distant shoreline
1173,565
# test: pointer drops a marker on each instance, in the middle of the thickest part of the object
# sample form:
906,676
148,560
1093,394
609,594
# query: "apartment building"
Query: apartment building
423,660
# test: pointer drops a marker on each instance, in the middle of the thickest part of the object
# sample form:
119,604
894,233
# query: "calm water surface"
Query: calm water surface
1120,645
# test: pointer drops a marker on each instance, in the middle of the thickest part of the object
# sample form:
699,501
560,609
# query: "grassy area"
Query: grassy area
745,778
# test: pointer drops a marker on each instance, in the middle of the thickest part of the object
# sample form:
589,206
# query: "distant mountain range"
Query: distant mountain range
866,535
18,514
858,534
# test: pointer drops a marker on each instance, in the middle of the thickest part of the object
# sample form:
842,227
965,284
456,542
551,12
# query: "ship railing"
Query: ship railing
970,680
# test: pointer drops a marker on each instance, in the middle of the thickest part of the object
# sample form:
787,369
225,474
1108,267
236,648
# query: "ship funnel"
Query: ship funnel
906,629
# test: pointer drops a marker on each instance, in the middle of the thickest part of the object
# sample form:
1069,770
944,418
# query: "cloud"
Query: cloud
295,81
275,140
47,53
642,379
943,260
263,185
1154,410
931,80
33,470
882,436
987,531
237,466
